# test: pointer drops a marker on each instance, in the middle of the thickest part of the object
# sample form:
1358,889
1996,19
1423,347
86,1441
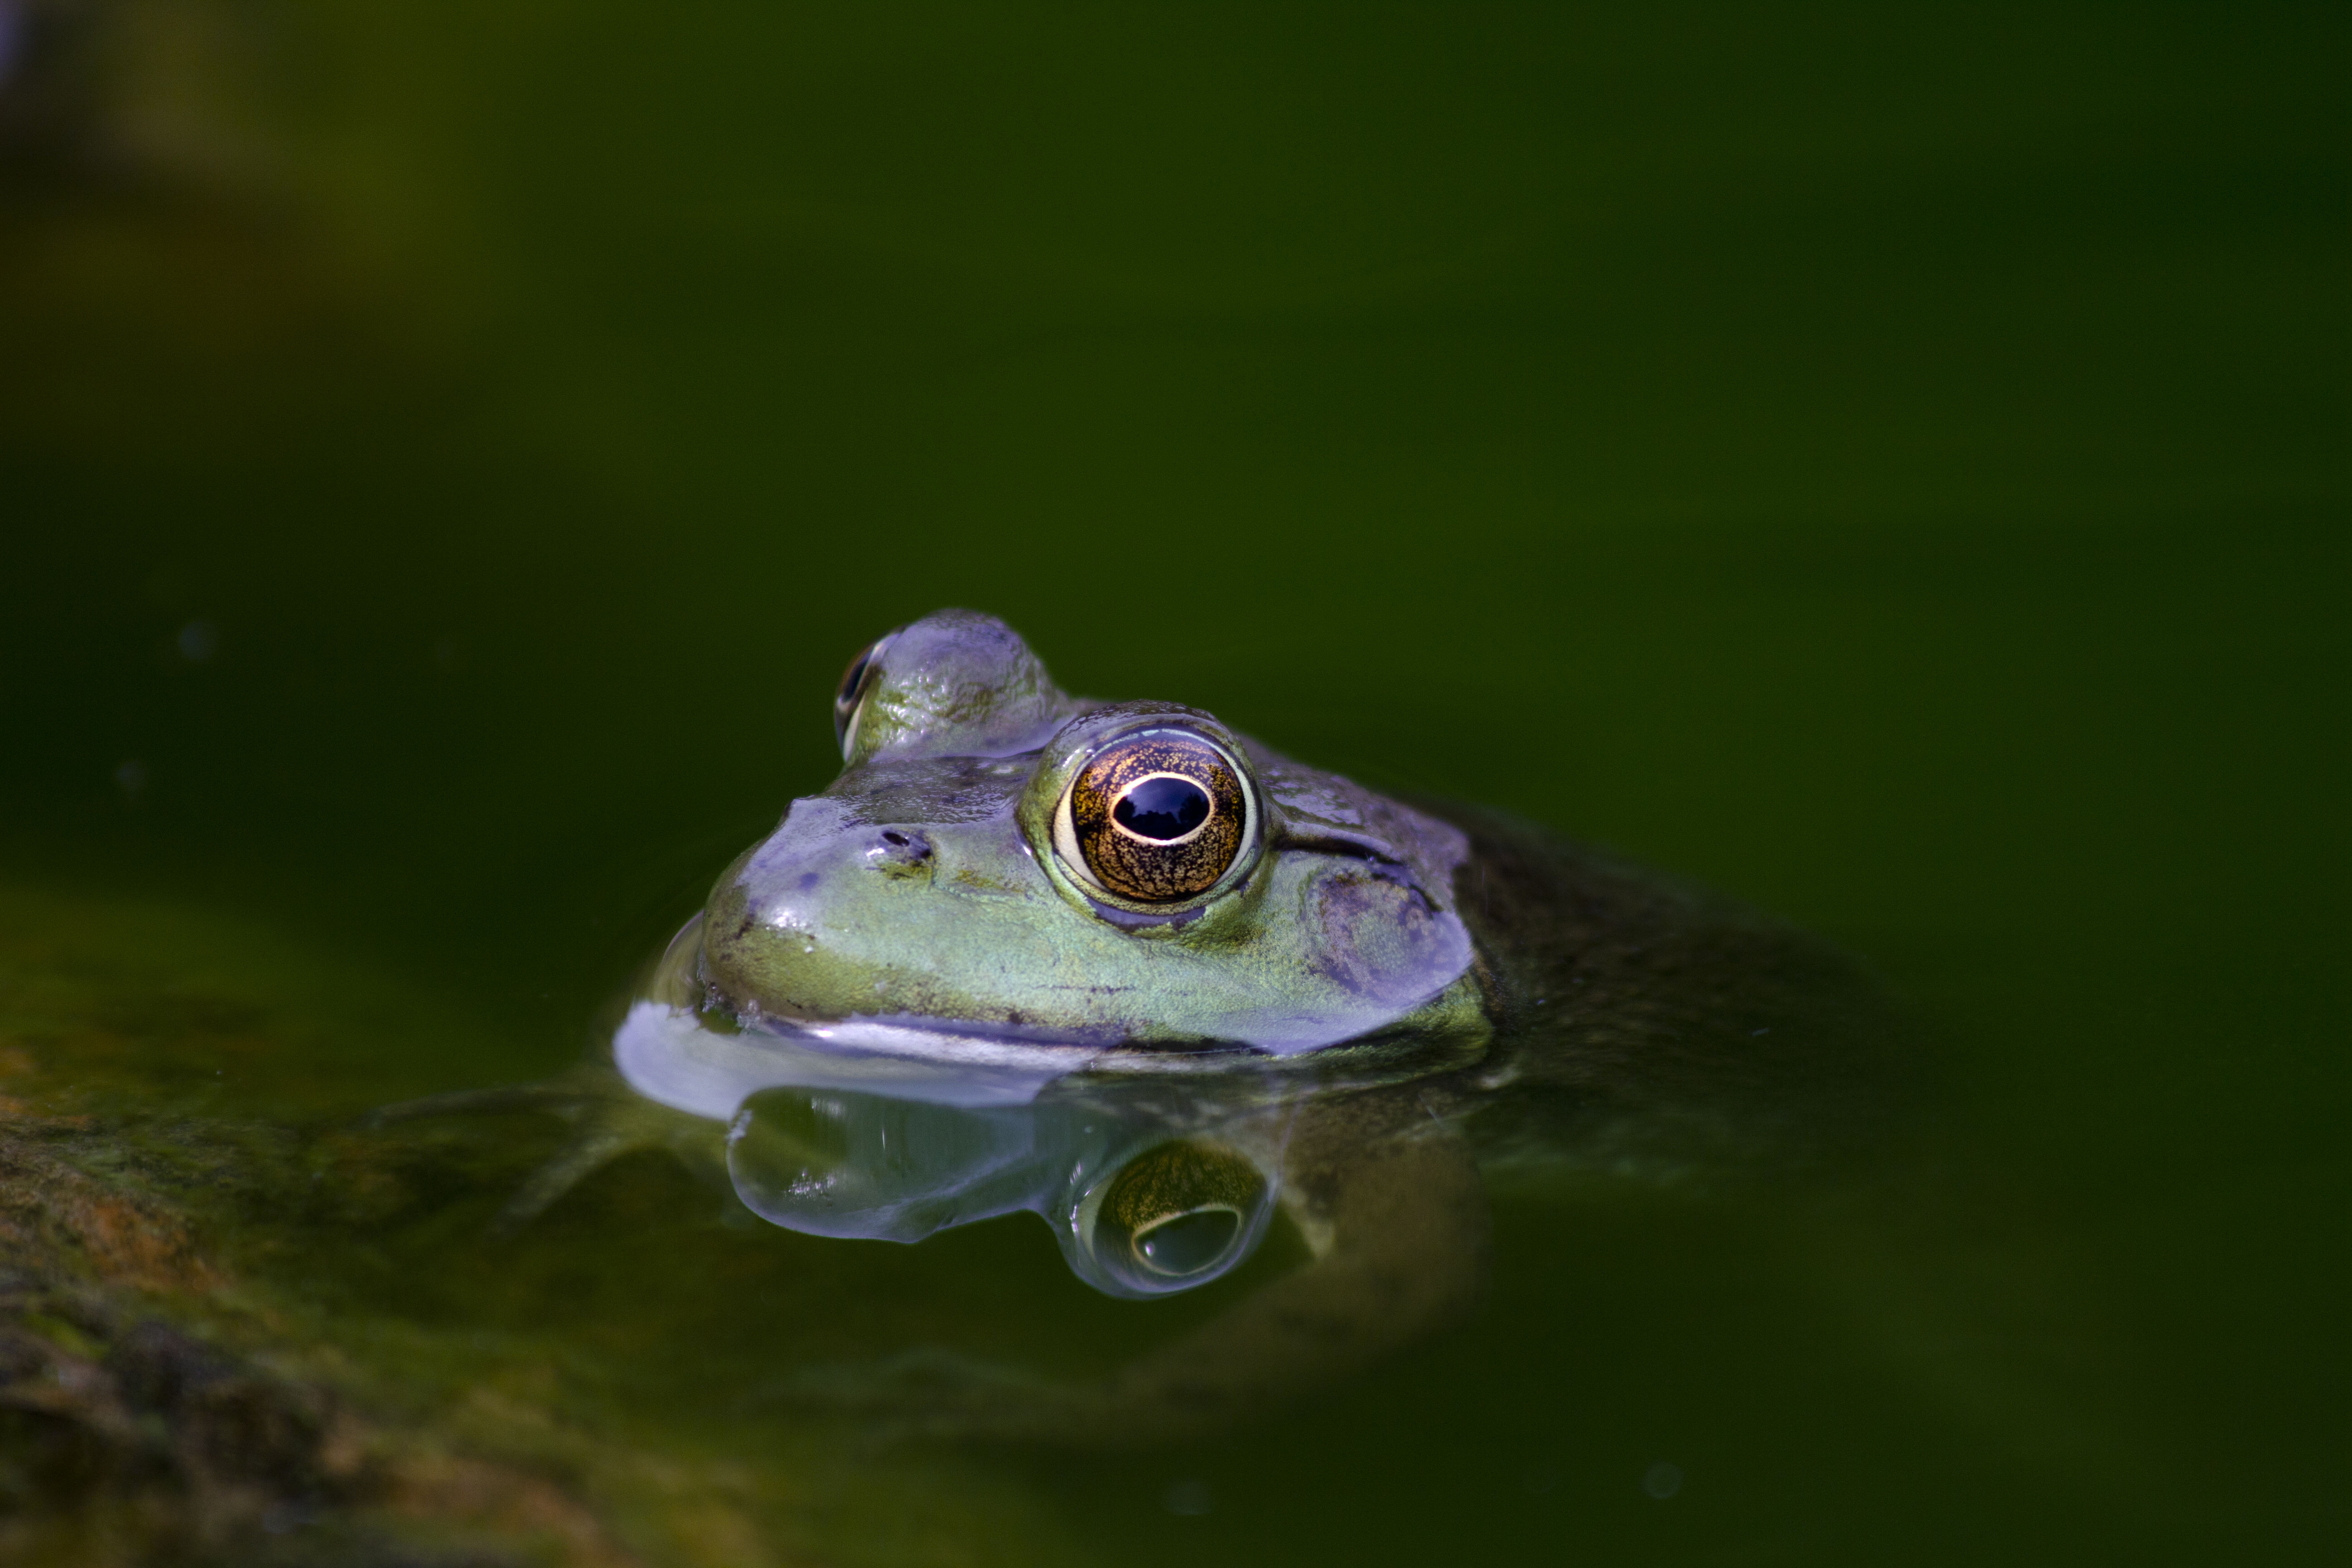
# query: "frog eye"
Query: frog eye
1178,1215
865,672
1155,817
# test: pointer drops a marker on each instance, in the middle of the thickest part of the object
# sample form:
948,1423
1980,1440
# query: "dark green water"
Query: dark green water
1892,469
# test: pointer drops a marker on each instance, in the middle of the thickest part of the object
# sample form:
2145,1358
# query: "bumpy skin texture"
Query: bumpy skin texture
927,884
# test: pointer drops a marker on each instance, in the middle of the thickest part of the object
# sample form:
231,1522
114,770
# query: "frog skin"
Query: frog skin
946,988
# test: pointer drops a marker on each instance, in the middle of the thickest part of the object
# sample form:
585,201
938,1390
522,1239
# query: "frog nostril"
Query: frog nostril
904,848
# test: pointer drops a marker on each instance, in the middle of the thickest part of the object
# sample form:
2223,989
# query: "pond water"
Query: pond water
1890,470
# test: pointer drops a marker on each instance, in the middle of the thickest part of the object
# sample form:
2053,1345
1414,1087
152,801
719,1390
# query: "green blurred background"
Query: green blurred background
1888,463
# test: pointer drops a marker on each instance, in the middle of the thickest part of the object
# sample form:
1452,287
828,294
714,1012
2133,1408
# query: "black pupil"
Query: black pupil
1163,808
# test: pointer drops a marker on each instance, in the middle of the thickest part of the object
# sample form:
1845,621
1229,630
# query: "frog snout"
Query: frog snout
806,929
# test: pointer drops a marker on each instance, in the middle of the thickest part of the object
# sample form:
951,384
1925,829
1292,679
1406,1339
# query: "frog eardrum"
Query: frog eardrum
1155,817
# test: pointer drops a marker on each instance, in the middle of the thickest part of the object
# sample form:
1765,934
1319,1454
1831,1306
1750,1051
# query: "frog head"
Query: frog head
1001,862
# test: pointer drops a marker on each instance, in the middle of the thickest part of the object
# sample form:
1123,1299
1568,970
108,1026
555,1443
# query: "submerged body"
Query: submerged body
1120,966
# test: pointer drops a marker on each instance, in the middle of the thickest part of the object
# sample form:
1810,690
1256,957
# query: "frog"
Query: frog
1129,969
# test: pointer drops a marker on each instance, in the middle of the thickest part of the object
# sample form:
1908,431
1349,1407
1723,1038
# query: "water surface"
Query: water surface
1893,471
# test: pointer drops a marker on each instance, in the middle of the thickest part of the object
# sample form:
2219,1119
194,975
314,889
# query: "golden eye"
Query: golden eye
1156,817
849,701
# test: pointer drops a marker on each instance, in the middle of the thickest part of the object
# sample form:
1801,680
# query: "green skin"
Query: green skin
1376,1004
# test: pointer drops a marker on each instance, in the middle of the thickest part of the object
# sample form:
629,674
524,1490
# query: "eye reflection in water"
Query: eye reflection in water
1178,1214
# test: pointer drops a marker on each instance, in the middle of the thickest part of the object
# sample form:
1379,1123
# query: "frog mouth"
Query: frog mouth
913,1035
679,1055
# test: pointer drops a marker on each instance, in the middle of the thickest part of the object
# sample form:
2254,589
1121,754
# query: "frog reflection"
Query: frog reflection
1137,1213
1123,967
